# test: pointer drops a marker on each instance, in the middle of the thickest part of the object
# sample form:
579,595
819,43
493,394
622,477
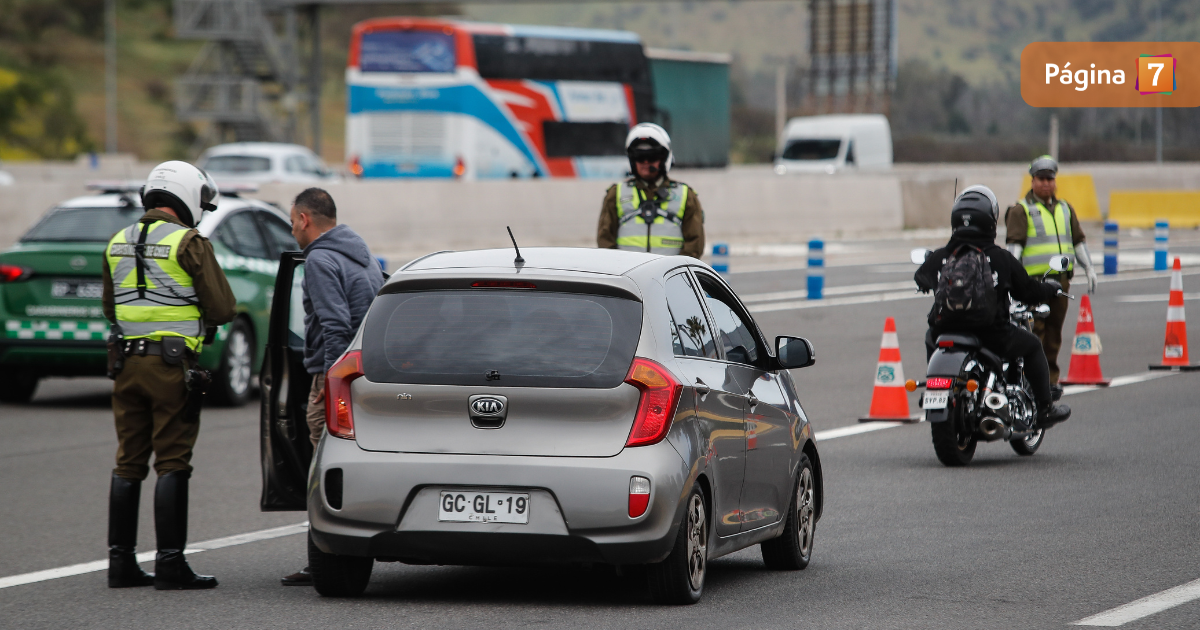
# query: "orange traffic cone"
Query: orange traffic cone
1175,347
889,401
1085,351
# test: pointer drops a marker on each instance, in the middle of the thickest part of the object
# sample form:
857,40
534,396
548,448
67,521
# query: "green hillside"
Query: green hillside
960,61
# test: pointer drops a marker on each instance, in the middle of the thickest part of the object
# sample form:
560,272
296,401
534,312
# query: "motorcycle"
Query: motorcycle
971,394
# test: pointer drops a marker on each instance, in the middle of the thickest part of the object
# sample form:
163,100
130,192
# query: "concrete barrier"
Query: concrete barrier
402,219
743,204
1141,208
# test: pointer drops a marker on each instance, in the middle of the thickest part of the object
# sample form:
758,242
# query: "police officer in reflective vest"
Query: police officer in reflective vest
1042,226
650,212
162,289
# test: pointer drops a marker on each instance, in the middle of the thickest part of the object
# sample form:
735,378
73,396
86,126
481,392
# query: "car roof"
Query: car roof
256,148
609,262
225,206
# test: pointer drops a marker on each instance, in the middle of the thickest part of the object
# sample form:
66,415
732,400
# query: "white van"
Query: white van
828,144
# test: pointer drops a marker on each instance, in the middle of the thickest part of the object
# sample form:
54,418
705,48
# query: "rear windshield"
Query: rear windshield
237,164
83,224
812,150
520,339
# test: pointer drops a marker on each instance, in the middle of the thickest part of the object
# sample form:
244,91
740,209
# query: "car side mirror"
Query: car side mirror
918,256
1060,263
794,352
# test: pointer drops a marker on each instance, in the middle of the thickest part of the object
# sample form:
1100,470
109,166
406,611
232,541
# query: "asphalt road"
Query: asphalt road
1104,514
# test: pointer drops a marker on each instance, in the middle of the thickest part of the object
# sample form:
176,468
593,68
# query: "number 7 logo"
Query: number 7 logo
1156,74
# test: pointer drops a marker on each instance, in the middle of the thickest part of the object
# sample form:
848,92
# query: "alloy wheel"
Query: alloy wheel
805,511
238,359
697,546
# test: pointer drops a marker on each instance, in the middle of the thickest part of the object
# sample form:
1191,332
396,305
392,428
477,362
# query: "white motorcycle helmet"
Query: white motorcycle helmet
182,187
649,140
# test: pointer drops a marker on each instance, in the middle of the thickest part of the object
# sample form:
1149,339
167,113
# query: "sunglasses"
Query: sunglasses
646,159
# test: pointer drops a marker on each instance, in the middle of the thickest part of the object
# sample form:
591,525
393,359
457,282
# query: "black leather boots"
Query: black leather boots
123,569
171,570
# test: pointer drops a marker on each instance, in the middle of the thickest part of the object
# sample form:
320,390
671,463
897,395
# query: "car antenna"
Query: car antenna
955,188
518,260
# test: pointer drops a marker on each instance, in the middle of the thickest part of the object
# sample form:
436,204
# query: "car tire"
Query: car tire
17,388
793,549
338,576
679,579
231,384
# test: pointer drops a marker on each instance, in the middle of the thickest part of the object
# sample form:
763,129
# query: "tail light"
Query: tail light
356,168
460,167
639,496
14,273
946,343
660,394
939,382
339,413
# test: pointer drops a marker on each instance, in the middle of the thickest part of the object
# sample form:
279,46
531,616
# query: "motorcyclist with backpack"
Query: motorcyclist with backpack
972,278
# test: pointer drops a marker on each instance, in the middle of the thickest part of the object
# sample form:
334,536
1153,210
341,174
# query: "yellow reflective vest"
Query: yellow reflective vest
155,299
1048,235
665,233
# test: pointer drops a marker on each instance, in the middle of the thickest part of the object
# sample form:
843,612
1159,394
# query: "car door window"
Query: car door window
293,165
279,234
690,334
239,233
735,333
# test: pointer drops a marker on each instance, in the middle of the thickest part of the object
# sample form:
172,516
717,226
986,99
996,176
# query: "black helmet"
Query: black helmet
1044,166
975,213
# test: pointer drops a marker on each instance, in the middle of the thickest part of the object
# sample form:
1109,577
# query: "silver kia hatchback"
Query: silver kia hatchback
574,406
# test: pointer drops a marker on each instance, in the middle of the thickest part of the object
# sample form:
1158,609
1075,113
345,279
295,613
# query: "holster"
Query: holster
197,380
115,347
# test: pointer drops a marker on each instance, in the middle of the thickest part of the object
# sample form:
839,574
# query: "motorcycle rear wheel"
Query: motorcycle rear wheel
952,447
1028,445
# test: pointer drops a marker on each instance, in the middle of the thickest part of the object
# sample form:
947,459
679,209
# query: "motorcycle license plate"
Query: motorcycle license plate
484,507
937,399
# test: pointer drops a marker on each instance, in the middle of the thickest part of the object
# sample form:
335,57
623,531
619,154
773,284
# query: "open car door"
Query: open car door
285,447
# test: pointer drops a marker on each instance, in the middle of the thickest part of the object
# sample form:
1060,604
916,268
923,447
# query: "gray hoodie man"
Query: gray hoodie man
341,279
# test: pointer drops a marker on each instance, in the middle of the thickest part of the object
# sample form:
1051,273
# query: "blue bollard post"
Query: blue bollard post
720,258
816,268
1162,229
1110,248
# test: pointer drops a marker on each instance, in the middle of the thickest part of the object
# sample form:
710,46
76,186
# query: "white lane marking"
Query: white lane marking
867,427
855,429
839,290
146,556
842,301
1156,297
1145,606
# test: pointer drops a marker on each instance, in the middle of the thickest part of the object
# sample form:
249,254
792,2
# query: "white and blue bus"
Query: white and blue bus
439,98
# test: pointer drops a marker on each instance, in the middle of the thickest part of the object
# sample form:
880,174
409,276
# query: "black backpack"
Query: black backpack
966,292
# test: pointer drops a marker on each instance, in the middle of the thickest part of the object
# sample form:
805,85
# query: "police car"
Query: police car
50,289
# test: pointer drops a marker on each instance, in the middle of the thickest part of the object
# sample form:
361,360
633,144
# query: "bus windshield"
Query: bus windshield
407,51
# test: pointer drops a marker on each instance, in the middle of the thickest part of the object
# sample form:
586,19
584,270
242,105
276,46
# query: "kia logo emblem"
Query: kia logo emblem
78,262
487,406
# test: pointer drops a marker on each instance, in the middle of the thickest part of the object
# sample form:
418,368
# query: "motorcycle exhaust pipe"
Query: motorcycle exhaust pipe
995,401
993,428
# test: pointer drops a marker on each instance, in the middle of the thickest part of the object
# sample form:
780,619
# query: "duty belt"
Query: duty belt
144,347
